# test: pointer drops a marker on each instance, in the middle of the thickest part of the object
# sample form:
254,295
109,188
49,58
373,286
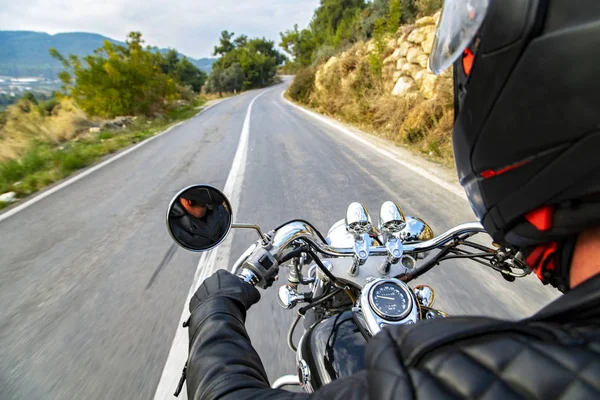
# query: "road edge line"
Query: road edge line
95,168
178,352
421,171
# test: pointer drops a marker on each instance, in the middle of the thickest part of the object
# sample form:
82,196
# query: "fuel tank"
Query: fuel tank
330,349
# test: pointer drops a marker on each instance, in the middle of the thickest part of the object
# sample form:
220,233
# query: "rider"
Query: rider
198,218
526,142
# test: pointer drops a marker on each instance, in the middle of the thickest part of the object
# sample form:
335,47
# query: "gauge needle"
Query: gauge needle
387,298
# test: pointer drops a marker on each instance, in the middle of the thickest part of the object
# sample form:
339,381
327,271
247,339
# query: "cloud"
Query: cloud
192,27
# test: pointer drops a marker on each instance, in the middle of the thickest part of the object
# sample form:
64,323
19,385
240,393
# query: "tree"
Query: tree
182,70
233,78
225,45
189,75
214,84
339,23
333,20
257,58
394,17
240,41
118,80
299,44
169,61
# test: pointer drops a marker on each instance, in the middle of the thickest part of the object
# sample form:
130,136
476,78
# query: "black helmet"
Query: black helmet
202,196
527,118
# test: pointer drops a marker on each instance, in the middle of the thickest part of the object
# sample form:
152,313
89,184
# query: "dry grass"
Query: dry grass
27,123
352,92
38,149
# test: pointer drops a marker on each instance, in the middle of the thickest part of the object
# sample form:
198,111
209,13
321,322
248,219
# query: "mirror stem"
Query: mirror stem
255,227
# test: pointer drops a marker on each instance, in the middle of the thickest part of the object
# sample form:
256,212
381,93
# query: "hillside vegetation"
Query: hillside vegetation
376,77
119,95
243,64
42,141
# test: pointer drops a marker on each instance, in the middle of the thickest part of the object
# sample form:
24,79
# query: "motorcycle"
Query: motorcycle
357,276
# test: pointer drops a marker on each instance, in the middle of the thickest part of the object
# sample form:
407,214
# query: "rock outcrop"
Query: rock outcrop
405,71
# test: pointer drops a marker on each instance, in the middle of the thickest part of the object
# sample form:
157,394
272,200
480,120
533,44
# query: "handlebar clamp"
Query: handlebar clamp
264,265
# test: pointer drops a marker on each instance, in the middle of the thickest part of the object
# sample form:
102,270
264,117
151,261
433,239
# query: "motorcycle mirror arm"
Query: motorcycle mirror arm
262,236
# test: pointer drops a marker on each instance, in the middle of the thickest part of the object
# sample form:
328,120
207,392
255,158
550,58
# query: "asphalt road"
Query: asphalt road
92,287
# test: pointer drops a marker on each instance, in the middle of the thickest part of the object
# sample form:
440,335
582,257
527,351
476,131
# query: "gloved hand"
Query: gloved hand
224,284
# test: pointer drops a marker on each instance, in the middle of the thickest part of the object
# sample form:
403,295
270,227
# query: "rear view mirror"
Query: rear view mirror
199,218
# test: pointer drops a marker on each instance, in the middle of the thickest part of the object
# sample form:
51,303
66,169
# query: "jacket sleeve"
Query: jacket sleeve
222,362
224,365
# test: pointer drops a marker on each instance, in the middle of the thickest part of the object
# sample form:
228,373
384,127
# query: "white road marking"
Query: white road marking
421,171
206,266
87,172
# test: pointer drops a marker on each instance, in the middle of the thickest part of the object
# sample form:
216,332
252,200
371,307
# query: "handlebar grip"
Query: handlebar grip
248,276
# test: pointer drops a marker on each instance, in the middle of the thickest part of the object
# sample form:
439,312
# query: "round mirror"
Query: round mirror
199,217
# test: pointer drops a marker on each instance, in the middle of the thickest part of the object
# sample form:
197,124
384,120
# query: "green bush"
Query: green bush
76,158
105,135
30,97
324,53
303,85
34,159
118,80
11,171
49,105
428,7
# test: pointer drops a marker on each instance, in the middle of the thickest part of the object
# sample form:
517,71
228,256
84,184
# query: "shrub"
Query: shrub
105,135
11,171
77,158
323,54
49,105
303,85
428,7
34,159
30,97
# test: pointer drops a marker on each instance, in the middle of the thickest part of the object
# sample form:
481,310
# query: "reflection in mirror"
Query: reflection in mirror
199,217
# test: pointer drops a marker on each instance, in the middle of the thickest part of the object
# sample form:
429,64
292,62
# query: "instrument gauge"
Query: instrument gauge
390,300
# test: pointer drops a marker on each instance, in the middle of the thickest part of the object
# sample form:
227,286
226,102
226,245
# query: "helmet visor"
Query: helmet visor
461,19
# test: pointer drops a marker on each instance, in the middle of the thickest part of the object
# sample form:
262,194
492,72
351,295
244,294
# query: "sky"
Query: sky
190,26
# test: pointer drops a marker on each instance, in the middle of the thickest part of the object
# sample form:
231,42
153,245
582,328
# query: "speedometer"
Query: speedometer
390,301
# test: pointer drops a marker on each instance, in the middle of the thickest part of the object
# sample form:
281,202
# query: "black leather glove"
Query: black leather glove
224,284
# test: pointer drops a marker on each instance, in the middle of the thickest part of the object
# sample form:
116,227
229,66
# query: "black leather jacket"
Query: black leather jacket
552,355
195,232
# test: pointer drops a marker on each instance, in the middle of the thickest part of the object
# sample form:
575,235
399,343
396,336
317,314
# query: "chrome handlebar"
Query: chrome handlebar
298,230
280,242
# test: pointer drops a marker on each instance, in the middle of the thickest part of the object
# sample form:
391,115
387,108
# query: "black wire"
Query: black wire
477,246
472,259
290,336
307,223
323,268
426,267
320,300
293,253
361,329
469,255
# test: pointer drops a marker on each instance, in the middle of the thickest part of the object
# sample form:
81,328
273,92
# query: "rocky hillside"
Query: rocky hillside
385,86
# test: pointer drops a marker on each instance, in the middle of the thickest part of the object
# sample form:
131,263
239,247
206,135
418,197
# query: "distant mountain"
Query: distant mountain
25,53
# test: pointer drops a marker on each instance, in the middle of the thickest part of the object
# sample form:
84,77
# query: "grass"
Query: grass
46,162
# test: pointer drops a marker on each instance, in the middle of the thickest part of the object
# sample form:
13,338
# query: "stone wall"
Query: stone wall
405,71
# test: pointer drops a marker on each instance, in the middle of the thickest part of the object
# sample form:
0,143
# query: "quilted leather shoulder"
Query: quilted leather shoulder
478,358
